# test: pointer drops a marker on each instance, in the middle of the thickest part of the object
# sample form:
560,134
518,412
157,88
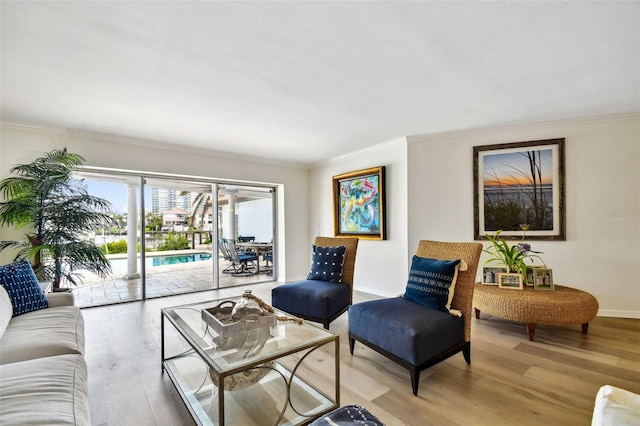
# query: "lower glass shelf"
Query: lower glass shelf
272,400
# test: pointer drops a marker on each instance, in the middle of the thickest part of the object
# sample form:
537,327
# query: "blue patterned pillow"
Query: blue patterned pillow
326,263
22,285
431,283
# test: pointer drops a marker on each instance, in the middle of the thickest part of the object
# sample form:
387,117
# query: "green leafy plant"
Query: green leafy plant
44,197
114,247
174,242
513,257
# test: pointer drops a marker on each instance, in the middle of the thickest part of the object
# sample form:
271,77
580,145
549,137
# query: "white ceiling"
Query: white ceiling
307,81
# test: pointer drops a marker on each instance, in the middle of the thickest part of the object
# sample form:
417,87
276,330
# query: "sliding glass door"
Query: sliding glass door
168,234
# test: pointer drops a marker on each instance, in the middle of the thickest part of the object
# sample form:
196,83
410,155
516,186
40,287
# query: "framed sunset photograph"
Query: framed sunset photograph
518,184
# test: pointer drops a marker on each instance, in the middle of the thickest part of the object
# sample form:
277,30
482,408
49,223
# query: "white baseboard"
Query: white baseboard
613,313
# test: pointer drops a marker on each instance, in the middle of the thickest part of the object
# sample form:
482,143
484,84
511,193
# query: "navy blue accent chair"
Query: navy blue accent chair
411,334
320,301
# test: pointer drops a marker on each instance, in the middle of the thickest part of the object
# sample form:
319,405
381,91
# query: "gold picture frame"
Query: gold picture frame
359,204
510,281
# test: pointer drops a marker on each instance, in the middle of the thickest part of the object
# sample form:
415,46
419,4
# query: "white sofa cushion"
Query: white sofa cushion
45,391
6,310
42,333
616,407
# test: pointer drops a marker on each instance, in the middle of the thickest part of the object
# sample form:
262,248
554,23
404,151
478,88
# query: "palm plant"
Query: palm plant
202,202
45,197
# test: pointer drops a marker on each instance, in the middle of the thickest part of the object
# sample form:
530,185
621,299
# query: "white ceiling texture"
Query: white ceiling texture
307,81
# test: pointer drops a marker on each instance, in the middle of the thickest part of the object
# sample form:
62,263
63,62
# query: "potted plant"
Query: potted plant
513,257
45,197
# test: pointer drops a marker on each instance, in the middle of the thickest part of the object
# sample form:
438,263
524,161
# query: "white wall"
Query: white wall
255,219
23,143
601,254
381,266
429,195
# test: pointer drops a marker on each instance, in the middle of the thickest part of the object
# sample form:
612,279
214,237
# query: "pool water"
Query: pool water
151,261
182,258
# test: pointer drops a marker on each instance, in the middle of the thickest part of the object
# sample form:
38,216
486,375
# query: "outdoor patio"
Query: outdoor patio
161,281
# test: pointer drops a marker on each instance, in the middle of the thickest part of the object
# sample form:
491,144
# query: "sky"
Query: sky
509,167
116,194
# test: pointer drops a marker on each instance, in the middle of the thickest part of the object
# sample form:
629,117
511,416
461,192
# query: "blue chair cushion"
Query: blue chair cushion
20,282
326,263
406,329
432,282
311,298
244,257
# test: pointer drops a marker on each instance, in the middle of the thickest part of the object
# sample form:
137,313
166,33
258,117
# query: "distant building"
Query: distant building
163,199
175,219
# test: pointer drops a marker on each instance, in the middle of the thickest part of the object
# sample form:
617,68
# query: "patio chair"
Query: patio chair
322,297
240,263
426,325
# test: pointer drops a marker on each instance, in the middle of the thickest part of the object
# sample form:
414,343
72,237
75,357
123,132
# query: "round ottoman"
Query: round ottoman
561,306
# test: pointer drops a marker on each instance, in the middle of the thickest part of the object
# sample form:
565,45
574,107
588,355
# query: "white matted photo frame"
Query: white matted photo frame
490,274
510,281
543,279
520,183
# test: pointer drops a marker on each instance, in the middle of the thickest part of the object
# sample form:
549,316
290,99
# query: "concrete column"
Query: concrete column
229,224
132,233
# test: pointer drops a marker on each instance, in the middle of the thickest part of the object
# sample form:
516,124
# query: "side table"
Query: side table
561,306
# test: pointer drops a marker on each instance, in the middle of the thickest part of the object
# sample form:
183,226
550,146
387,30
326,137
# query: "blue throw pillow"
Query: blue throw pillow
20,282
431,283
326,263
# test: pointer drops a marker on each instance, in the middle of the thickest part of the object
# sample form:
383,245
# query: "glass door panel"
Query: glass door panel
178,231
246,219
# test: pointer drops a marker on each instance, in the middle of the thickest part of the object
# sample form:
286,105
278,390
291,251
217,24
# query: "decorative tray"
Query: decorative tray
220,320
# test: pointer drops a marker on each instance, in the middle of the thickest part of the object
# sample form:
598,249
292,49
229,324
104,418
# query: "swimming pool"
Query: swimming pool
152,261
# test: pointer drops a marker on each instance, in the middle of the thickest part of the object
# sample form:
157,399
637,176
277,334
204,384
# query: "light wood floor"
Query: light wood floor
511,381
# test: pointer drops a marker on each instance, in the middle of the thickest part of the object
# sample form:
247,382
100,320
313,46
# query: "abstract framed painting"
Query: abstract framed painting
519,187
359,204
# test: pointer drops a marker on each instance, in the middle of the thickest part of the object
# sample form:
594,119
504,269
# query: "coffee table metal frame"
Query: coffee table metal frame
189,327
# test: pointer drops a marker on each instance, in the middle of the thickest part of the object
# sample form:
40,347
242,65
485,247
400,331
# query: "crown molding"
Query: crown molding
368,150
488,130
146,143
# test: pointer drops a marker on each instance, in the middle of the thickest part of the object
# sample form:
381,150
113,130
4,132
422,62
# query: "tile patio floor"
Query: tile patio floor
162,281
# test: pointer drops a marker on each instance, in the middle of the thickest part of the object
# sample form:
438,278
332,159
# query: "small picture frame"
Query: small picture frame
490,274
529,274
542,279
510,281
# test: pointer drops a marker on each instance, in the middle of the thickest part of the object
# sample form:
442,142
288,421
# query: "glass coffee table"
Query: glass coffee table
260,378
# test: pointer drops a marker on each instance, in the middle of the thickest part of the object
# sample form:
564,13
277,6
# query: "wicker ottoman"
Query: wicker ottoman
561,306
